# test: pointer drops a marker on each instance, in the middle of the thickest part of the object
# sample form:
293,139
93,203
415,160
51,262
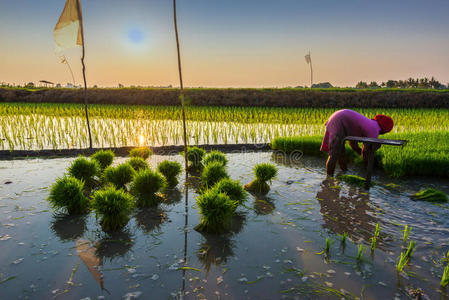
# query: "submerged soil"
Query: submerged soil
272,251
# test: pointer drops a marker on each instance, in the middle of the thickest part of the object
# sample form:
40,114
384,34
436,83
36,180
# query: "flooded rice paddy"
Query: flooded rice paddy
274,250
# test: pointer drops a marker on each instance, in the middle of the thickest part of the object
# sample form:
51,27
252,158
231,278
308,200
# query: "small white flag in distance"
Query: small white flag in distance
308,58
68,31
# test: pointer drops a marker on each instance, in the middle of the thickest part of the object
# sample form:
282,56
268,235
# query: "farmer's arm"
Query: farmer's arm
375,147
355,146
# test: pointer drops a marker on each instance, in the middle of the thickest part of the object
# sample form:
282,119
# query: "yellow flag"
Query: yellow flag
68,30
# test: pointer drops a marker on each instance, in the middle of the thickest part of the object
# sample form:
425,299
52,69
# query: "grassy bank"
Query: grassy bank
288,97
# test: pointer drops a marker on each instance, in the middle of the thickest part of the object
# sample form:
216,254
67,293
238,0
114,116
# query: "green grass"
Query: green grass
67,194
431,195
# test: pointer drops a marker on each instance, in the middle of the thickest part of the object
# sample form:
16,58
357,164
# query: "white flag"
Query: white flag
68,31
308,58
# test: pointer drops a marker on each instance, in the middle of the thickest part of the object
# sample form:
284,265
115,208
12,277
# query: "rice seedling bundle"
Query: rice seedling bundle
215,156
145,186
213,173
431,195
143,152
67,194
264,172
104,158
233,189
195,156
85,170
119,176
138,163
170,170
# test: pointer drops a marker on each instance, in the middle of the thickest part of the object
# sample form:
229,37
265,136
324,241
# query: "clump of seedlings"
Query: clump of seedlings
119,176
143,152
402,261
327,247
375,237
195,156
67,194
104,158
170,170
84,169
233,189
264,172
406,233
113,206
216,212
215,156
353,180
445,279
431,195
360,252
138,163
213,173
146,183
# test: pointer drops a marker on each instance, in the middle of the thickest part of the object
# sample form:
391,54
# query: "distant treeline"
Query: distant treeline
291,97
418,83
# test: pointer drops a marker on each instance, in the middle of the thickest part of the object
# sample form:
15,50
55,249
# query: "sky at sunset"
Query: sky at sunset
230,43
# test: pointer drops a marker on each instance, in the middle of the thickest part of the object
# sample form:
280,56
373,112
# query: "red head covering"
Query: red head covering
385,122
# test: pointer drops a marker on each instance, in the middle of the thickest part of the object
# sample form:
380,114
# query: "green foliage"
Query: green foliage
216,212
343,238
431,195
375,237
265,172
170,170
195,156
145,185
353,180
84,169
401,262
215,156
119,176
232,188
67,194
113,206
360,252
410,249
445,279
104,158
213,173
138,163
406,233
143,152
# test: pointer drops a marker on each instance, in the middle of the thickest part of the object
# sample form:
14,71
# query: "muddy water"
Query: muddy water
271,252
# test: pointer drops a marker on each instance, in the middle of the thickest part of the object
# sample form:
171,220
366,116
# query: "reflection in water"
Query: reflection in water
114,245
217,249
172,196
194,182
263,205
149,219
68,227
349,213
87,254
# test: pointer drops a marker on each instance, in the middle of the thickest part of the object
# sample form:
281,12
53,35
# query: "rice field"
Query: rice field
60,126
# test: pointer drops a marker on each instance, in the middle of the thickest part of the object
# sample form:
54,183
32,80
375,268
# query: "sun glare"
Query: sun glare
141,140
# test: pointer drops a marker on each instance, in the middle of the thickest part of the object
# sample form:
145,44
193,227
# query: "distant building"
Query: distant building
322,85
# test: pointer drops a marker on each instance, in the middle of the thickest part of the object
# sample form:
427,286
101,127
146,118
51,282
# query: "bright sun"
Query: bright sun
135,36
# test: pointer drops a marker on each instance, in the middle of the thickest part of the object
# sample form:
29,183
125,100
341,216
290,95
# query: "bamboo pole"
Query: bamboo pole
78,7
311,71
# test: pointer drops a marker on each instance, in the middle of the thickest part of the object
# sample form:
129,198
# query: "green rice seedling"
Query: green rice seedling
410,249
213,173
215,156
343,238
353,180
119,176
431,195
67,194
143,152
375,237
445,279
402,261
85,170
138,163
216,211
113,207
170,170
146,183
406,233
233,189
360,252
264,172
104,158
195,156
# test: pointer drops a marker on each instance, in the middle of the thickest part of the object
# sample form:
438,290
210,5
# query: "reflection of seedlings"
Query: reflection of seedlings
431,195
150,219
172,196
144,187
216,212
410,249
138,163
84,169
406,233
233,189
402,261
264,172
114,245
104,158
445,279
213,173
69,228
67,194
171,171
360,252
143,152
215,156
215,250
263,206
113,206
119,176
195,156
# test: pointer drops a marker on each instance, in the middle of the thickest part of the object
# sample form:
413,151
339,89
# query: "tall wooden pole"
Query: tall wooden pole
311,71
78,7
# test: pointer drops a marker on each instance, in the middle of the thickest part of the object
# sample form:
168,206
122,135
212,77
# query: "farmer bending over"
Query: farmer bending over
345,123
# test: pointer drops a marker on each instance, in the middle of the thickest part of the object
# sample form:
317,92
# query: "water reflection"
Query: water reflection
149,219
114,245
68,227
350,213
263,205
217,249
172,196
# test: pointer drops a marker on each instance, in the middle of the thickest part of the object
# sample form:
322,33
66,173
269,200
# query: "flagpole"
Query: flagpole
311,71
84,70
